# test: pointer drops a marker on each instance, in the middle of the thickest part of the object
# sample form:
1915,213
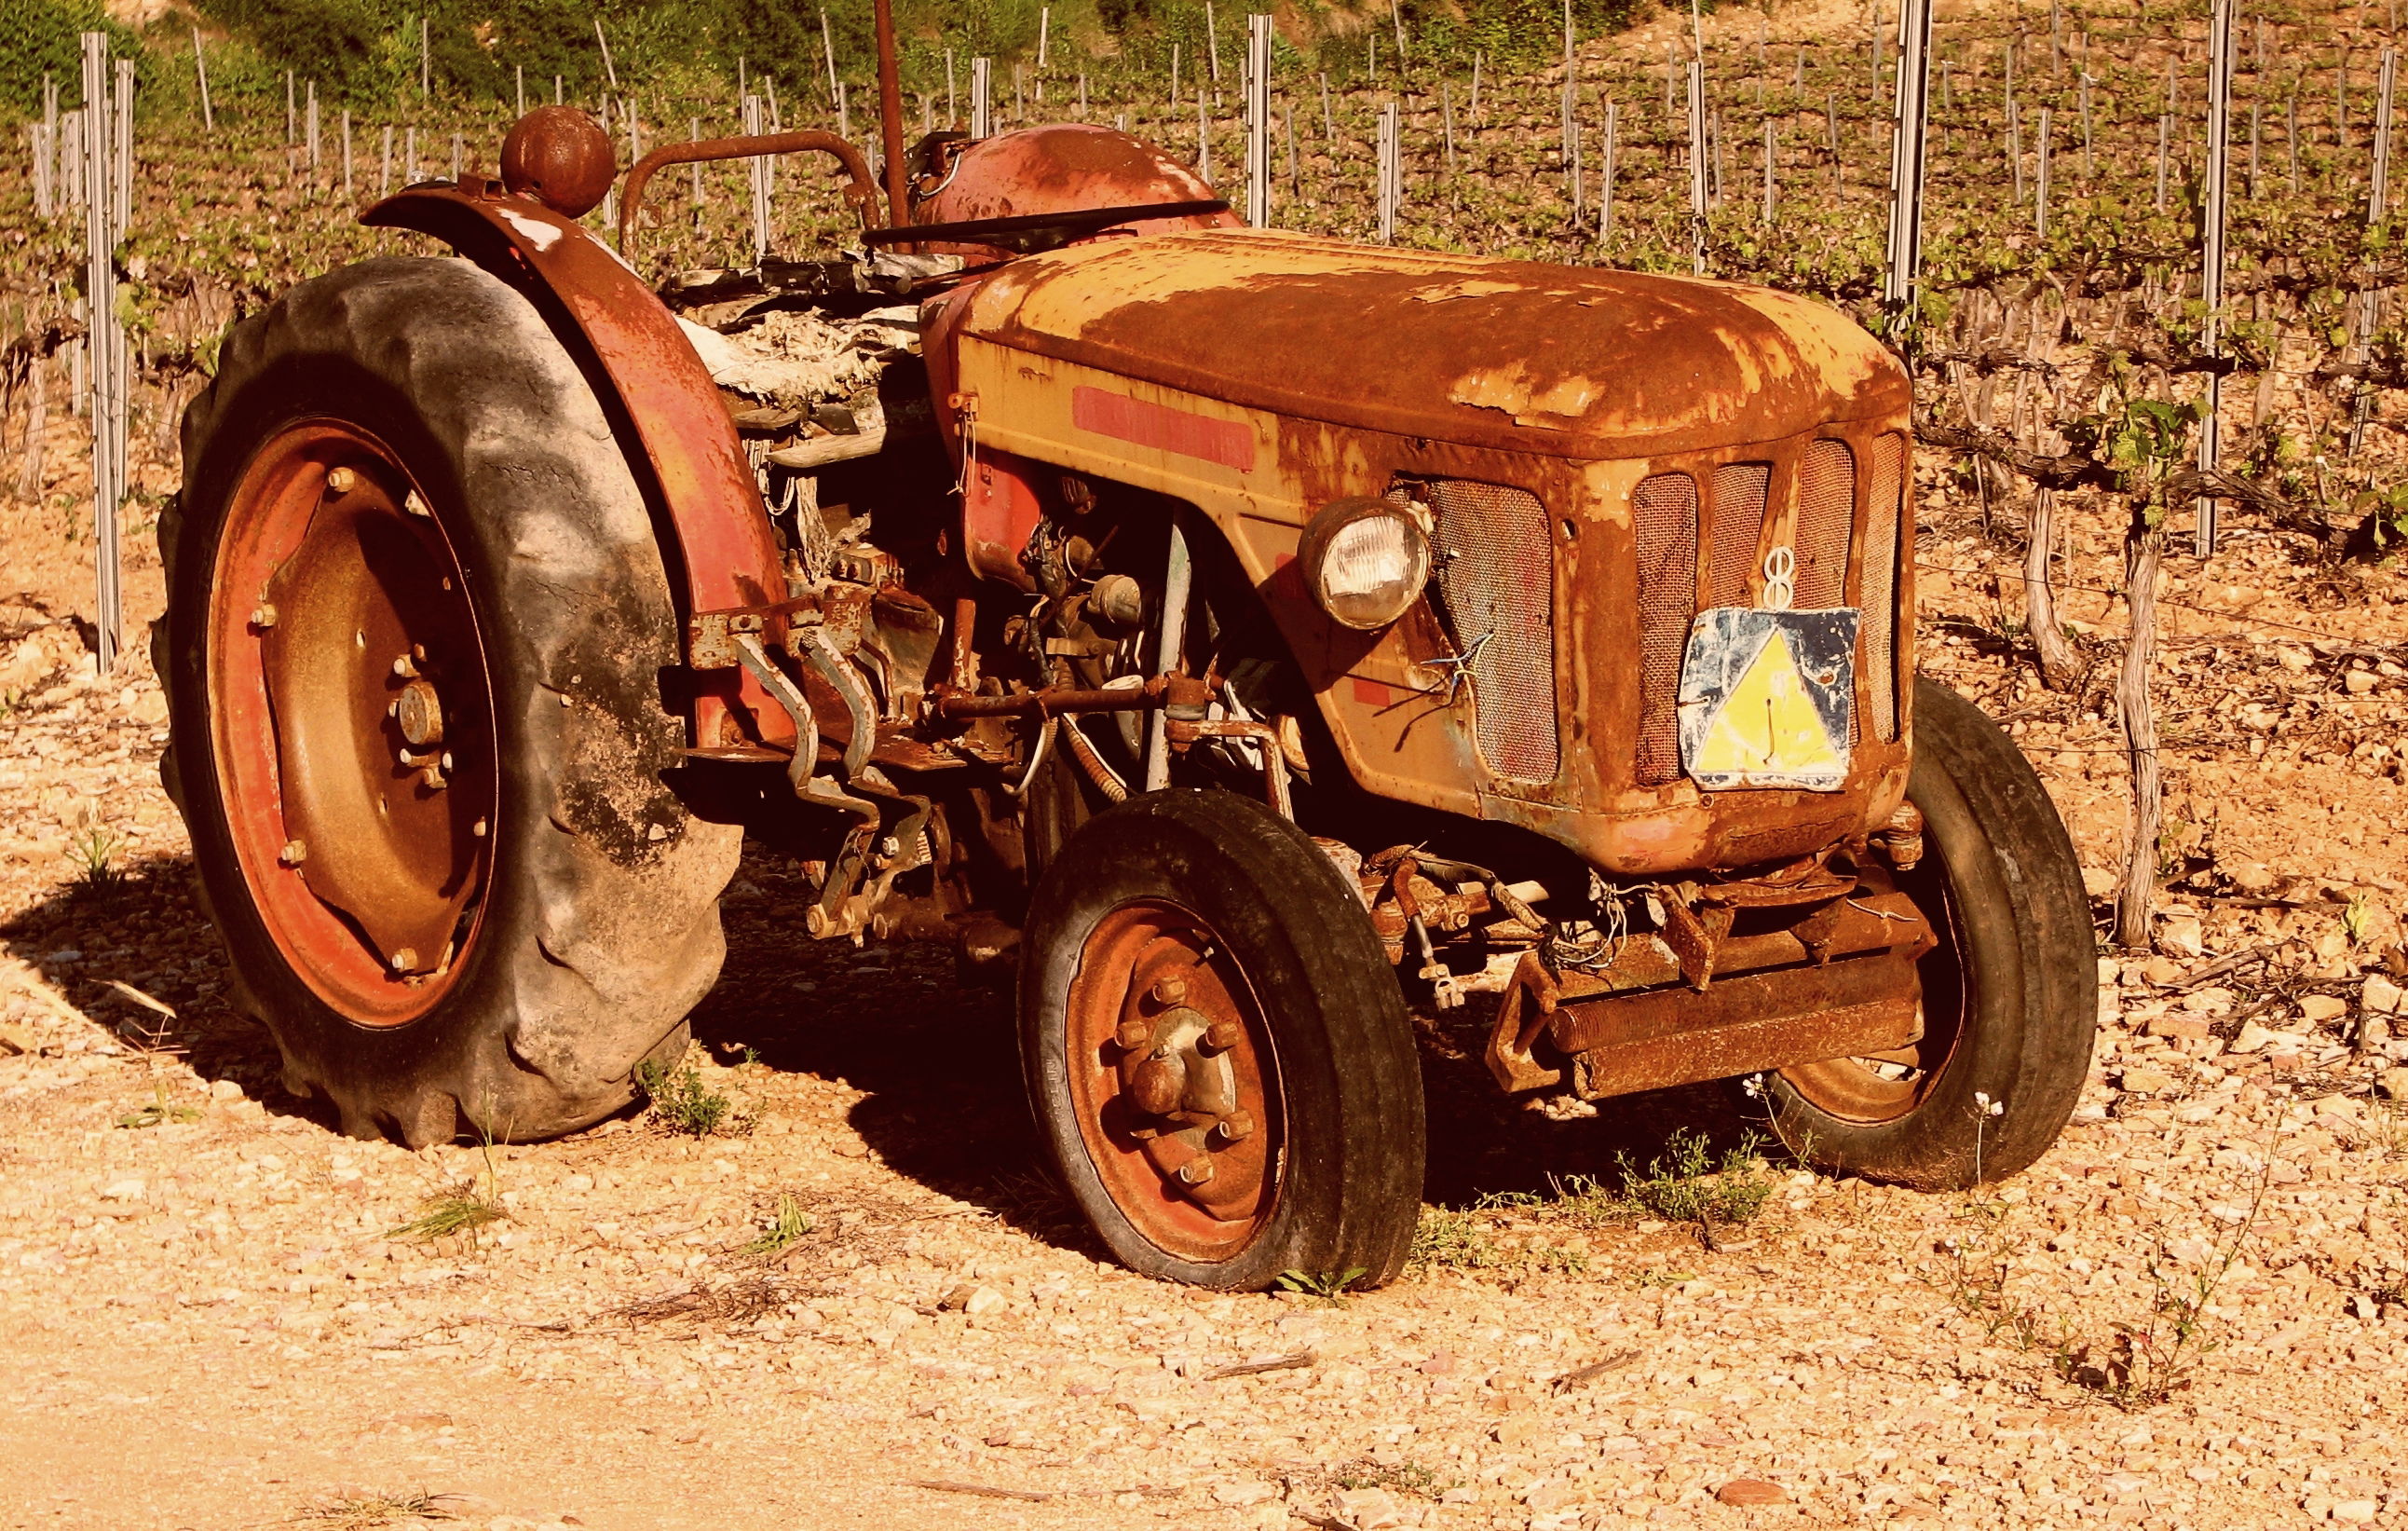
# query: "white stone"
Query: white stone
1240,1493
122,1190
2380,996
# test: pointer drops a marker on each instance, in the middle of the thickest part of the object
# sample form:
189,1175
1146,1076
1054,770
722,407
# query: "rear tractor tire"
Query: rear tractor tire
2010,1003
416,619
1217,1050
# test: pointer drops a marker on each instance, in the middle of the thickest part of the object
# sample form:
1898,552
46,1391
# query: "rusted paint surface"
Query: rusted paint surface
1742,1025
715,535
1385,695
1508,354
1061,167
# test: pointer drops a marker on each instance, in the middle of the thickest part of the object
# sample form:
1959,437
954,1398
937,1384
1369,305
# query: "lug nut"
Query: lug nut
403,960
1235,1127
262,616
295,851
1223,1034
1196,1171
403,667
478,828
340,481
1134,1035
1170,990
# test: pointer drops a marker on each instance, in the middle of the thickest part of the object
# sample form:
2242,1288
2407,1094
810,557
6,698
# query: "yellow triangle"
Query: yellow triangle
1768,723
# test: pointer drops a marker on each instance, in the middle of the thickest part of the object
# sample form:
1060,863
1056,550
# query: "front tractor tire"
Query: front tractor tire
2010,1003
416,620
1217,1051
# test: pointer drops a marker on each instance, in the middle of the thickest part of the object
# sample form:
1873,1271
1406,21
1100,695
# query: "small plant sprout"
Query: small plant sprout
159,1110
789,1225
94,853
1327,1288
464,1209
1983,1109
2356,917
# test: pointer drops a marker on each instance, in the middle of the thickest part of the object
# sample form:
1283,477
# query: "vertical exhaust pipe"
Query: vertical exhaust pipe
890,118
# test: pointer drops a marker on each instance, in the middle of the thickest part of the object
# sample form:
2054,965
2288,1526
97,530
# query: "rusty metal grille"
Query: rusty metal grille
1663,525
1736,523
1878,594
1827,514
1496,570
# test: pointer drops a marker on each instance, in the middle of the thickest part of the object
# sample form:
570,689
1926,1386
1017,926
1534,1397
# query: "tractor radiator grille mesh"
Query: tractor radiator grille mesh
1736,521
1878,594
1496,570
1664,525
1827,514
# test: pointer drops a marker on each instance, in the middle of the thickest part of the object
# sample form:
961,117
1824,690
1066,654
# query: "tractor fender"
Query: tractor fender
714,532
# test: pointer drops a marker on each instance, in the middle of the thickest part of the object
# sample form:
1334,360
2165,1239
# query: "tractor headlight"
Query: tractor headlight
1364,560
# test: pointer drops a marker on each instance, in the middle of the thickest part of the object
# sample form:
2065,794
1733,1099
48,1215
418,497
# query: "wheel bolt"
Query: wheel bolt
1196,1171
1235,1127
295,851
340,481
1170,990
1222,1035
403,960
403,667
1134,1035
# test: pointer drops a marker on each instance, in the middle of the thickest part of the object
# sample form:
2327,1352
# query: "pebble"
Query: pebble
1752,1491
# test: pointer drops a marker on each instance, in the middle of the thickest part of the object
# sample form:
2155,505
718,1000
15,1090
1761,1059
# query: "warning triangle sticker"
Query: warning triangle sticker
1768,725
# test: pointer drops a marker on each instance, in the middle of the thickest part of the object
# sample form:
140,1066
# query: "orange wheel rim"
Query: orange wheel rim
351,721
1175,1082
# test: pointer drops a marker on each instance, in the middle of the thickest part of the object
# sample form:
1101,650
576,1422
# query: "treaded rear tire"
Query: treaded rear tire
600,926
2003,889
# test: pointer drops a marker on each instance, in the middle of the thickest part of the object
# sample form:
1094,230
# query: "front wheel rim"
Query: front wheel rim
1174,1082
352,722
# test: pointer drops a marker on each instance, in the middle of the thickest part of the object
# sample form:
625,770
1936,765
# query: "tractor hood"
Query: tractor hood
1514,355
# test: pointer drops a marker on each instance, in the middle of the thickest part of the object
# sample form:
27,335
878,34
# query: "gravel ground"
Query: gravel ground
216,1326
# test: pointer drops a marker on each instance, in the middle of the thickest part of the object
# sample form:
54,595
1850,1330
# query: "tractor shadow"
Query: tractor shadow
140,925
937,1061
935,1056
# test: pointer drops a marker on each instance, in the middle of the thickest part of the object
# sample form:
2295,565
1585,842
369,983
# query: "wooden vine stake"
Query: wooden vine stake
2211,278
2145,548
981,97
1258,121
104,144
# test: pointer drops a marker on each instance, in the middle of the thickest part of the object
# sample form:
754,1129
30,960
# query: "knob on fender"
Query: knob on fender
560,157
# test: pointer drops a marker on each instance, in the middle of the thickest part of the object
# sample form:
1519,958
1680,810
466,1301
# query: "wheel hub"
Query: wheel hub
353,728
1178,1089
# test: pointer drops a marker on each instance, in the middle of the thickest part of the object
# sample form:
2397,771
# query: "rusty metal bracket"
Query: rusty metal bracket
1696,938
1530,998
1745,1024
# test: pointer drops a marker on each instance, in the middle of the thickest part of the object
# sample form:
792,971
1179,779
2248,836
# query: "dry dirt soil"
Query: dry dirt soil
2191,1313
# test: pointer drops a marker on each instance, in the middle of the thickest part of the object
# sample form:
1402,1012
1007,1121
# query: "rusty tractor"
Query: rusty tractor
1231,638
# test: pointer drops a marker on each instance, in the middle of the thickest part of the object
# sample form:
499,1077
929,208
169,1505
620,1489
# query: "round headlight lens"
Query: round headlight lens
1364,560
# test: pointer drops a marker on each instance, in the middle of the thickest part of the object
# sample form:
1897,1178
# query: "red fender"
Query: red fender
714,532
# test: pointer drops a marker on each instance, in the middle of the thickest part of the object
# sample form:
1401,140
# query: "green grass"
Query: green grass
95,852
460,1211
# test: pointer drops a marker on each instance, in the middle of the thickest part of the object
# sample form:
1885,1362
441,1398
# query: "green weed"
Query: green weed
787,1227
1686,1185
1401,1477
1327,1288
160,1110
682,1102
95,852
